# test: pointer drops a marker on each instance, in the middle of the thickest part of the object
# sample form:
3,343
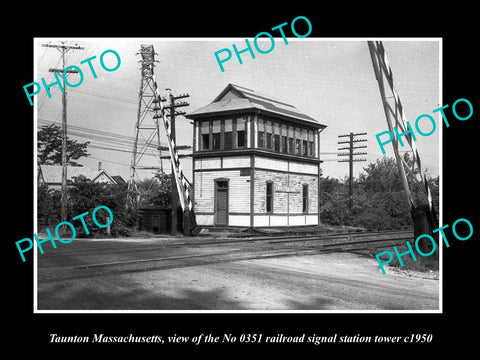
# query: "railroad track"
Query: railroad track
223,250
325,239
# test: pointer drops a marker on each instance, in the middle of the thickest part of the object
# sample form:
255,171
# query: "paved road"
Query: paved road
333,281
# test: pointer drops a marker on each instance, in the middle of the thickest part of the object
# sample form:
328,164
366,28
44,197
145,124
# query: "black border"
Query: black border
450,329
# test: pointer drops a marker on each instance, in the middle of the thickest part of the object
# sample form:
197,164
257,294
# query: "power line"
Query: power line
105,136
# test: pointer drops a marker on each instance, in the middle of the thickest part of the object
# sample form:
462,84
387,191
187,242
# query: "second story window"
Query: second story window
205,135
276,137
261,134
311,150
268,131
298,141
285,137
284,144
216,130
223,134
291,140
228,134
241,132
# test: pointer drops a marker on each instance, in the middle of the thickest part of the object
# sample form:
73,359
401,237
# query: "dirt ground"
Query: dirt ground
335,281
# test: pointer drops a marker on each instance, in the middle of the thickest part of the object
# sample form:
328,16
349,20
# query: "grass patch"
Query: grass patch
422,263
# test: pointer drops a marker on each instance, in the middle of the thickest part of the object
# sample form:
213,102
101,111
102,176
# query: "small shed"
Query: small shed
158,220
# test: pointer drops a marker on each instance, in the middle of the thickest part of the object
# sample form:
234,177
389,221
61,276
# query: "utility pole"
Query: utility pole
351,141
63,50
172,114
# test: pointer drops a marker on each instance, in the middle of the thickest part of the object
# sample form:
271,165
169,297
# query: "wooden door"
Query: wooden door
221,202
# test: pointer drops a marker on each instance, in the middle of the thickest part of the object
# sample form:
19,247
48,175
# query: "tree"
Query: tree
156,191
379,199
49,147
382,176
86,195
48,209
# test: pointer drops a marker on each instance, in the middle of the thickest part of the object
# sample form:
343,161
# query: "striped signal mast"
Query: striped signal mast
421,206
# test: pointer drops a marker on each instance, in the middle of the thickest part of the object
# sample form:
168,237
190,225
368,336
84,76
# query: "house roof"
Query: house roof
235,98
52,174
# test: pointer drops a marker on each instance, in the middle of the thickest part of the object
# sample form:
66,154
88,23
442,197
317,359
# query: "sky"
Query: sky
331,80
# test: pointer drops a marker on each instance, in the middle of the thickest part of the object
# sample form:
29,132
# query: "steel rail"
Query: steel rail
53,274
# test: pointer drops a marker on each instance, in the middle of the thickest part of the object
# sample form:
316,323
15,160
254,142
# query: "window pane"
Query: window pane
228,140
216,126
205,127
228,125
205,141
291,141
241,123
291,147
222,184
216,141
310,135
298,141
216,134
268,131
241,131
305,148
284,144
260,133
297,146
276,139
269,141
261,140
276,128
241,138
269,197
268,126
228,135
261,125
205,135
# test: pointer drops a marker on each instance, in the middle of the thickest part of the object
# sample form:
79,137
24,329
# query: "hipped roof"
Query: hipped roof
235,98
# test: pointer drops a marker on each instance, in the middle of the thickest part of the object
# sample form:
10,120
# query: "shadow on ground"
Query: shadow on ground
61,297
318,303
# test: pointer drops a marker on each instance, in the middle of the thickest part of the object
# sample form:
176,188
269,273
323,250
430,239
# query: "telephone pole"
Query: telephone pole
63,51
172,114
351,141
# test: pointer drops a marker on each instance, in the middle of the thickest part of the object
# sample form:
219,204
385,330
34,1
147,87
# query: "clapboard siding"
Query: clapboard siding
273,164
208,163
238,190
236,162
287,196
297,167
285,165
